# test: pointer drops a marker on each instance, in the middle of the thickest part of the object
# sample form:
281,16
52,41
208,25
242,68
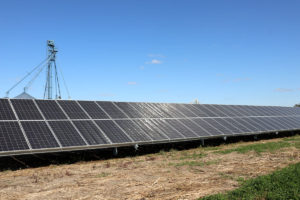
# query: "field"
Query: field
185,174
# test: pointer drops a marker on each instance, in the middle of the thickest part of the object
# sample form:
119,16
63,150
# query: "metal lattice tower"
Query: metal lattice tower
51,68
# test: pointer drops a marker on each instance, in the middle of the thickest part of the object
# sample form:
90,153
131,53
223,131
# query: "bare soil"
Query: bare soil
187,174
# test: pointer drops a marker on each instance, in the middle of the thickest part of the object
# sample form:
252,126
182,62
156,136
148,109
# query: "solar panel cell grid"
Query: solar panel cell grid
129,110
201,132
11,137
188,133
231,128
90,132
50,109
111,110
39,135
6,112
94,111
204,109
168,130
66,133
211,126
143,110
262,123
184,109
26,109
112,131
72,109
132,129
151,129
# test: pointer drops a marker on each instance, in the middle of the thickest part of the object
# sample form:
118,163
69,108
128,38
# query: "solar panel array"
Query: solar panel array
36,126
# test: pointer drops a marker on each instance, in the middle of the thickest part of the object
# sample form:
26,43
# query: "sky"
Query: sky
218,51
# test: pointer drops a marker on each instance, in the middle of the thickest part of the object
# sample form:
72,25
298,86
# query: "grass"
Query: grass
265,147
258,148
103,174
280,185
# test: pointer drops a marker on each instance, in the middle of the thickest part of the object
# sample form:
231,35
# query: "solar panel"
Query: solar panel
168,130
132,129
144,110
235,123
196,128
90,132
66,133
72,109
39,135
33,126
228,128
93,110
211,129
11,137
6,112
26,109
129,110
112,131
50,109
181,128
113,111
184,109
151,129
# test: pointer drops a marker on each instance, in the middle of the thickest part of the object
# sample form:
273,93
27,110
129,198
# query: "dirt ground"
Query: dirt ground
187,174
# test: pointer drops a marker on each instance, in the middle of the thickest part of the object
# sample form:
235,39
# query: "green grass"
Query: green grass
280,185
258,148
194,155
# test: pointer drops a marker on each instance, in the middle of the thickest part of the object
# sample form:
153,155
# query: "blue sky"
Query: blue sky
223,52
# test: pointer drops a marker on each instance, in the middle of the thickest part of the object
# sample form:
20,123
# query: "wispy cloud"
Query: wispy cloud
156,55
132,83
283,90
154,62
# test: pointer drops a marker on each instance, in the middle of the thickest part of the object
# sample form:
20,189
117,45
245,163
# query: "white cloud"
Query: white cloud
154,61
284,90
131,83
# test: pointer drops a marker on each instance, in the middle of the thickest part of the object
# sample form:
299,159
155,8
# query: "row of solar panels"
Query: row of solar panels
33,126
56,110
